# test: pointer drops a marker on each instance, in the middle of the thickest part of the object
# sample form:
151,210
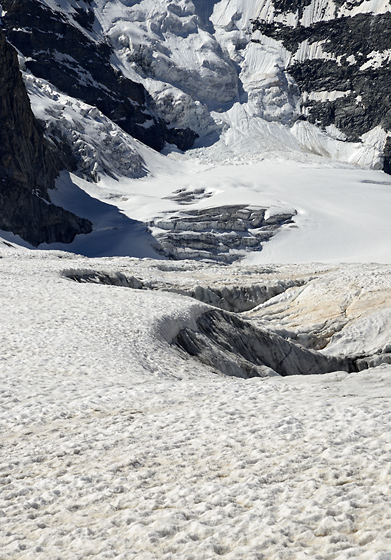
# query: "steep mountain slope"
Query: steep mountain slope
147,63
28,165
237,81
282,62
340,58
63,43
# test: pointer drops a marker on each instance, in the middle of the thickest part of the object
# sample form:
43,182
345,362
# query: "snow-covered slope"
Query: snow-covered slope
117,444
157,410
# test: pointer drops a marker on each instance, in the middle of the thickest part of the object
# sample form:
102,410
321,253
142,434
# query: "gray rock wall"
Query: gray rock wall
28,166
346,62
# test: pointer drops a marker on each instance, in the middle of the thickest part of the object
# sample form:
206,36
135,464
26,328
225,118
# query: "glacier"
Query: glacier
207,68
116,443
207,373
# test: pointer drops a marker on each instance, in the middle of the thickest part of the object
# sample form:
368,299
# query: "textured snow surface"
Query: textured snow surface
116,446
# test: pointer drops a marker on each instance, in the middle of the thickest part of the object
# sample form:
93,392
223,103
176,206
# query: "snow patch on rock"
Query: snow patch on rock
99,146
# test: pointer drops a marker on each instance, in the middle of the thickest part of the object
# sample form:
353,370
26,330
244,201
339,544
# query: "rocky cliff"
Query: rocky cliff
68,48
340,57
28,166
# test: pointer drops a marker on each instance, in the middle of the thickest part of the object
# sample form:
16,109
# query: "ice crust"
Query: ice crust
115,445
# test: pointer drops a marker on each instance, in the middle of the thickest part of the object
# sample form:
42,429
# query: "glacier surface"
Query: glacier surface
144,413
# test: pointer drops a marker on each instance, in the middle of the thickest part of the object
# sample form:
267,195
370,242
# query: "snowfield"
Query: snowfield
341,210
117,445
117,441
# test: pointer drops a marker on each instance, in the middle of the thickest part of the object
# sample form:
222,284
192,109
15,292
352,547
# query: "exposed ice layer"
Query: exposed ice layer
239,298
268,90
271,92
258,129
229,297
342,211
224,233
106,278
353,321
234,347
186,72
330,308
335,46
179,108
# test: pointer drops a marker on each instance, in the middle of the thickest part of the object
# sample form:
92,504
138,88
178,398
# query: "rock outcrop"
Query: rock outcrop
340,59
28,166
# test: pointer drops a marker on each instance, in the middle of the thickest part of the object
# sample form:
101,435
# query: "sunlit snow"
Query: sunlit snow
116,445
115,442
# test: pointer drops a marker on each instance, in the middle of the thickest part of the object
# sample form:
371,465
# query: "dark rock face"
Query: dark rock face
351,43
24,156
28,166
63,49
282,6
